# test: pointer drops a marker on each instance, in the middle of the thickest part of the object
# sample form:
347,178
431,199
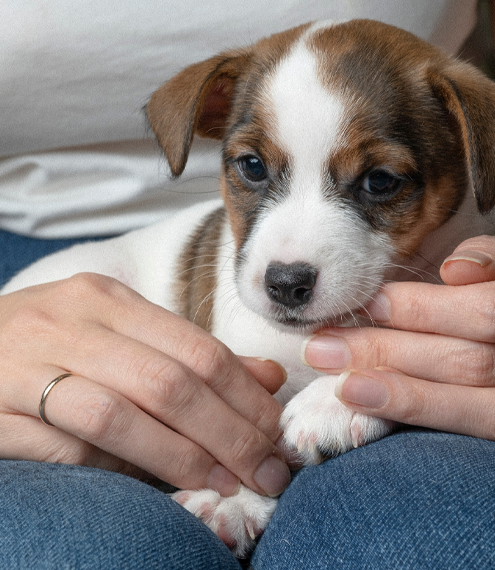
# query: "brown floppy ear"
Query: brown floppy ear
469,99
197,100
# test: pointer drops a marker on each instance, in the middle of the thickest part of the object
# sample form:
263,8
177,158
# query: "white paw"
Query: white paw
319,426
236,520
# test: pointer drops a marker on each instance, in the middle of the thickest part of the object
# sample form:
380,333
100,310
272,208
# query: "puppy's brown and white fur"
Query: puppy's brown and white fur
353,154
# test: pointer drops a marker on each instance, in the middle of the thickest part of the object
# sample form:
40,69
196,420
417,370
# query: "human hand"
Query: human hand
151,393
434,366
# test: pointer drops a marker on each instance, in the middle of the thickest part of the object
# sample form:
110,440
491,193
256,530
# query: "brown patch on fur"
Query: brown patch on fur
411,110
196,100
196,271
407,115
241,202
200,99
430,193
248,133
438,205
469,99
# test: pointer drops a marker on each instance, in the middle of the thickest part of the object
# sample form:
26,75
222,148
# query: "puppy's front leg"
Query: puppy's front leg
236,520
320,426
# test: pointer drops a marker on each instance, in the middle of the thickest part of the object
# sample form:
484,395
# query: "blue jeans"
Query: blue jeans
417,499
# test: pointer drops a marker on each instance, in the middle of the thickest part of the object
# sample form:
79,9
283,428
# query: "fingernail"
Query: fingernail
223,481
325,351
362,390
379,308
273,476
282,369
472,256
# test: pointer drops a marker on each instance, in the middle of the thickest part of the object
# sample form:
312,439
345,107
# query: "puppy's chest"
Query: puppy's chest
206,294
246,334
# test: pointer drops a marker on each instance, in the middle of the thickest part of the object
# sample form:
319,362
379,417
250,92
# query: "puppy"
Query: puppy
353,154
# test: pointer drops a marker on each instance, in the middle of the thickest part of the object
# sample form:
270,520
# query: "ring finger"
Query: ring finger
102,417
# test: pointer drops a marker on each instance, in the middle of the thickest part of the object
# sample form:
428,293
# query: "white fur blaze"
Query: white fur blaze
310,224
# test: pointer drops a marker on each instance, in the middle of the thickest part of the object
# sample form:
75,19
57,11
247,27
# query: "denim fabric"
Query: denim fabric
66,517
415,500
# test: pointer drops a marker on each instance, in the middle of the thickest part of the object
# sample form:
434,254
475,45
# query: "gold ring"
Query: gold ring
44,396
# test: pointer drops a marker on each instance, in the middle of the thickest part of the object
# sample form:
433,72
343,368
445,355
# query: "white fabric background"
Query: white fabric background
74,76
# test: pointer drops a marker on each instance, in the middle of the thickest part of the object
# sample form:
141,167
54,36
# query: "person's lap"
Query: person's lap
417,499
64,516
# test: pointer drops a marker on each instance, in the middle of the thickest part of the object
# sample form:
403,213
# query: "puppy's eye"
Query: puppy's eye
381,183
252,170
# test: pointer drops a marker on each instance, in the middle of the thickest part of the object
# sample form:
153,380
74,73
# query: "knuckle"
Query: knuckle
415,309
477,364
210,359
485,315
76,452
412,408
266,417
242,452
99,417
84,285
92,289
373,349
29,319
185,466
169,390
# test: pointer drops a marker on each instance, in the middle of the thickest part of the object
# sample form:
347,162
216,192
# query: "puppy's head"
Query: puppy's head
344,145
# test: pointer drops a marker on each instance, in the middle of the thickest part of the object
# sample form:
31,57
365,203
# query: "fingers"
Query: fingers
270,374
431,357
91,413
149,387
395,396
120,310
27,438
436,369
172,393
464,312
123,424
442,333
112,423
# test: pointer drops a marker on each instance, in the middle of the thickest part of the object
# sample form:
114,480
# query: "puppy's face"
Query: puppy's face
327,175
343,147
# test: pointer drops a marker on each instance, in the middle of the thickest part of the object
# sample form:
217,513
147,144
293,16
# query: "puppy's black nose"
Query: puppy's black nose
290,285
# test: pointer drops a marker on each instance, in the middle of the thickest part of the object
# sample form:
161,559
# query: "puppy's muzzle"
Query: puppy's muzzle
290,285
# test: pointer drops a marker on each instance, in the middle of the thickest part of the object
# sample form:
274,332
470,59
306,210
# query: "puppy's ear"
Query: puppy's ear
469,99
197,100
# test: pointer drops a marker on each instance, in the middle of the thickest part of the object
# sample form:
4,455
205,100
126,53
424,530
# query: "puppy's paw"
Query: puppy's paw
319,426
236,520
